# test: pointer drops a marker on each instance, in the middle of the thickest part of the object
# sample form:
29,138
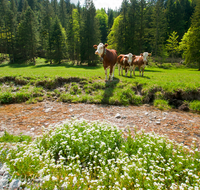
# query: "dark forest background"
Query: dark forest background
57,30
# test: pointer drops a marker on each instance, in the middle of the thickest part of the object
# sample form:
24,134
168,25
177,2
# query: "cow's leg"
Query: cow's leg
126,71
111,72
134,70
131,68
140,70
105,69
122,70
119,68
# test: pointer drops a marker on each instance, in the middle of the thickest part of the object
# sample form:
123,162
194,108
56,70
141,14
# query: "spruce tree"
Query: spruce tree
3,26
63,13
28,36
46,29
103,23
110,19
76,33
90,33
58,42
158,28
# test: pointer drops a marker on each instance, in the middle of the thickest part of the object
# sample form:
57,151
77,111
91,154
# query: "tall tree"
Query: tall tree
190,42
27,39
76,32
63,13
90,33
58,42
54,4
103,23
172,44
46,29
110,19
3,26
113,36
158,27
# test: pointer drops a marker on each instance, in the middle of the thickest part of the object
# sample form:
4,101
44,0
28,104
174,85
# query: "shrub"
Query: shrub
195,105
161,104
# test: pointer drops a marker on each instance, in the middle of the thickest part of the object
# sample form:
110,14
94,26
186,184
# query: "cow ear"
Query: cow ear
133,56
95,46
149,54
106,45
141,54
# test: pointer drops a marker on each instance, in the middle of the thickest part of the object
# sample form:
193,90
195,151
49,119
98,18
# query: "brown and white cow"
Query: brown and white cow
141,61
109,58
125,62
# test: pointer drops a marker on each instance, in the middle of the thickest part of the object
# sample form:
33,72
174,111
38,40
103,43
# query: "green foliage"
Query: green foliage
6,97
27,38
172,44
13,138
190,43
103,24
161,104
58,42
79,154
195,105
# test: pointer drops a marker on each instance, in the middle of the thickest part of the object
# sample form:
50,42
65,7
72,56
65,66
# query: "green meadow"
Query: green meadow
166,87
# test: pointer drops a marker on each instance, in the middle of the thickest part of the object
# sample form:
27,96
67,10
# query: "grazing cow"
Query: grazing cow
109,58
141,61
125,61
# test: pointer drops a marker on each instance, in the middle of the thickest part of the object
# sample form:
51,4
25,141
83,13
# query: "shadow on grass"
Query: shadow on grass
67,66
108,92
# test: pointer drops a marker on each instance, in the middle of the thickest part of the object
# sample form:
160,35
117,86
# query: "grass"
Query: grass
83,155
12,138
86,84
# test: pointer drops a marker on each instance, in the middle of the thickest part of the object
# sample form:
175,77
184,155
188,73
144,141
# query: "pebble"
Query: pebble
117,116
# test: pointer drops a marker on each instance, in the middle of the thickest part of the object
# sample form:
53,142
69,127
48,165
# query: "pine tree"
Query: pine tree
110,18
54,4
90,33
46,29
63,13
3,26
76,33
28,36
172,44
58,42
133,27
158,28
103,23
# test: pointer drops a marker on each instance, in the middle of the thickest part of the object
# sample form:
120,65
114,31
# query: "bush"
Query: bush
161,104
195,105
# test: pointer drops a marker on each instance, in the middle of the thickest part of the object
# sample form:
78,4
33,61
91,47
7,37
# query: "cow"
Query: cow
141,61
125,61
109,58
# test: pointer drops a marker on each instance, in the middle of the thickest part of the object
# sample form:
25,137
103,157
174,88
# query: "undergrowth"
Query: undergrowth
83,155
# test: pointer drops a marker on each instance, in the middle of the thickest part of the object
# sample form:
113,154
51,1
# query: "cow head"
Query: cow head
146,55
100,49
130,57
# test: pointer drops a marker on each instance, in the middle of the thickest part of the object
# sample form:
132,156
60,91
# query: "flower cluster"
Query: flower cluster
92,155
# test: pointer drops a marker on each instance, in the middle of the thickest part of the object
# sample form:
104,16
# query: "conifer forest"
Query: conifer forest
60,30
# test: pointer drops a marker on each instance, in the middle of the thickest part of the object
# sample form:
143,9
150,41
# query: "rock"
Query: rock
184,107
15,184
117,116
157,122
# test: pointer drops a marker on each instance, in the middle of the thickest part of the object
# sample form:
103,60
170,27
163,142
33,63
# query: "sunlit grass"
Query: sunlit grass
83,155
87,84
